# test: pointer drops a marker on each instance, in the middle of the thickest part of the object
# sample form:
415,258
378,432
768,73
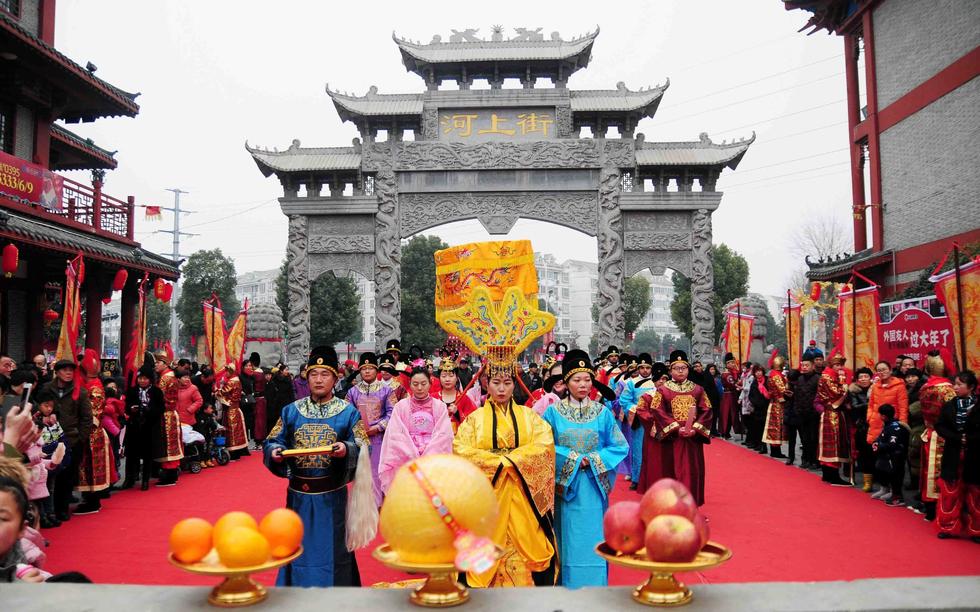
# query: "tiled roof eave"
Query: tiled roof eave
85,148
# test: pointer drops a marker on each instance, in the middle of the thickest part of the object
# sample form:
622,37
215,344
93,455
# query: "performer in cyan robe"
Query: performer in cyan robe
773,432
588,446
678,415
727,417
641,382
229,394
420,425
371,397
167,444
97,470
936,391
516,450
835,441
334,524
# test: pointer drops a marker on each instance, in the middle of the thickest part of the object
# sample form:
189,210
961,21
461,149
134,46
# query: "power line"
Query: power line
234,214
816,129
758,80
788,161
738,52
799,112
769,178
805,178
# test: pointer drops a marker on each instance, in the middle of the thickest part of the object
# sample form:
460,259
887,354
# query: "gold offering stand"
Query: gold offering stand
237,589
662,589
440,589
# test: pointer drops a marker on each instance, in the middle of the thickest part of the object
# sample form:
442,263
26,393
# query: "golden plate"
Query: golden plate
238,589
440,590
662,589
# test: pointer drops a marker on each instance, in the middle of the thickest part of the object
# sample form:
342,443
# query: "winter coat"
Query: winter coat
74,415
893,393
804,393
892,446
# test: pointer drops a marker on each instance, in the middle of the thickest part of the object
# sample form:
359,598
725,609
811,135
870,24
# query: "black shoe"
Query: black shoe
777,455
145,486
64,517
790,460
975,539
895,501
634,486
88,507
47,522
944,536
127,484
839,482
762,450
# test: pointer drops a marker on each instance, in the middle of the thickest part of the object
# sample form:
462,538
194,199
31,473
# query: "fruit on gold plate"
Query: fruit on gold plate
231,520
283,529
190,540
242,547
672,539
622,527
704,532
409,522
667,496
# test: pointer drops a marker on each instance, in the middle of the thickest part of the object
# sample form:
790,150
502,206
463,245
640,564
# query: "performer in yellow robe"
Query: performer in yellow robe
515,448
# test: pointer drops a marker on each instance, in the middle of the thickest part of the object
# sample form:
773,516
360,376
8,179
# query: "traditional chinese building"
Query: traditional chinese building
497,154
912,100
50,218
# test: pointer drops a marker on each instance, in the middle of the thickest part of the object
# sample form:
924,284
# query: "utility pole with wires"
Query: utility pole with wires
177,257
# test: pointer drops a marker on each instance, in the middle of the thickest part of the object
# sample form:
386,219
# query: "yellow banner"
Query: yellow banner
71,317
738,335
965,315
497,265
858,341
794,334
214,331
235,343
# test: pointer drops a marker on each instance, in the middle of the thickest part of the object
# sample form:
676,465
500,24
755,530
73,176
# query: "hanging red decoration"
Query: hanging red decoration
10,258
159,288
50,316
193,340
168,292
107,300
119,281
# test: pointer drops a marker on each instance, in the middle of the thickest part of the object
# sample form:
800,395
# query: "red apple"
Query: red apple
672,539
623,528
701,524
667,496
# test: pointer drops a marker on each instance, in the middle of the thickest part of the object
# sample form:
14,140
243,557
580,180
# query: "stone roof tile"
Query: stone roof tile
619,99
438,52
698,153
297,158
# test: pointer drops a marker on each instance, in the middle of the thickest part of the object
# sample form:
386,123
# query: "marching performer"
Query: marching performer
168,446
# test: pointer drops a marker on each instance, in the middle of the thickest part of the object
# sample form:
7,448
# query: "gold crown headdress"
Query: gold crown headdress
487,296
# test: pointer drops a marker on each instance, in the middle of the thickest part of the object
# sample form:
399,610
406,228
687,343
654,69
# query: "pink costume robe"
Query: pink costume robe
416,428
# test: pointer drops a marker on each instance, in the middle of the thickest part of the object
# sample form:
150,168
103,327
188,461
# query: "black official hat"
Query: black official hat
368,360
386,363
612,350
659,371
577,361
678,356
644,359
323,357
393,346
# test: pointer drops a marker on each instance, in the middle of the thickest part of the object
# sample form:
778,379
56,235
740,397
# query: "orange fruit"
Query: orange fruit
190,540
231,520
284,530
242,547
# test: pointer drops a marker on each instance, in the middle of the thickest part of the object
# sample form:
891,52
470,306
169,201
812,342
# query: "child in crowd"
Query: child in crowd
112,413
891,451
52,438
14,566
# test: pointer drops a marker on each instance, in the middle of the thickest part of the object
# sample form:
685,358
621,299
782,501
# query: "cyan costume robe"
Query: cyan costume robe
304,424
633,390
586,429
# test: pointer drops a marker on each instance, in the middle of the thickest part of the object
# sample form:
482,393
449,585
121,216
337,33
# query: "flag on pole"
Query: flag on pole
738,335
153,213
963,316
71,317
215,332
137,348
794,334
235,342
857,331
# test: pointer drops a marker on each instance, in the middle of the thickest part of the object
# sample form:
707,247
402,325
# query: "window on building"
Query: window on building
564,277
11,6
6,126
565,324
565,293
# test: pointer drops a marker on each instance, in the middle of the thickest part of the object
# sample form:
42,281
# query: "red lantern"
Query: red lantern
168,292
159,288
50,316
107,300
10,258
120,279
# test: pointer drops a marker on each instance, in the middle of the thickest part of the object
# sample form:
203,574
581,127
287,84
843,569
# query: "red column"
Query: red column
130,217
46,11
97,205
853,119
42,140
94,292
874,145
35,322
127,316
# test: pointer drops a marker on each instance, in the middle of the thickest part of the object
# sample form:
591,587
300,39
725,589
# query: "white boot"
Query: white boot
878,492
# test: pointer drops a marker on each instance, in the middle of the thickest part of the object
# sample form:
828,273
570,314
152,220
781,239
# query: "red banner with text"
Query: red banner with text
913,332
30,184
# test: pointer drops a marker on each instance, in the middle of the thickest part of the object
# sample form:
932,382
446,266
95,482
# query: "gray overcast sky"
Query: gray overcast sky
215,74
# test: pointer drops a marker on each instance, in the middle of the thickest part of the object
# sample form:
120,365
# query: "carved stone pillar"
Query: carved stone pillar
387,260
612,323
298,274
563,121
430,124
702,286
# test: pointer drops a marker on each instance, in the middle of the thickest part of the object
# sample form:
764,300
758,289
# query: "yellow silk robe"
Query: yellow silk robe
523,478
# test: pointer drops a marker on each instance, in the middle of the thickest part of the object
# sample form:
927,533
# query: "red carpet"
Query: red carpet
782,523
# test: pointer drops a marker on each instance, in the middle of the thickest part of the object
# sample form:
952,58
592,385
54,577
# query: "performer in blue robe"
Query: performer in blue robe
318,483
641,382
589,446
374,399
628,370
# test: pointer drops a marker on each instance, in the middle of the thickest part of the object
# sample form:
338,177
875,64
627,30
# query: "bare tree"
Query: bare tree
819,235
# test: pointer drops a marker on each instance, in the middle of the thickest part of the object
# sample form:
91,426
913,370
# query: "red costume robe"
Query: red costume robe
97,469
773,432
169,446
835,442
666,454
231,395
936,392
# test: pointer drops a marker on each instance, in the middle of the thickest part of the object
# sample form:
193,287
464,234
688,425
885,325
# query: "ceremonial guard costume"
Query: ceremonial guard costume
230,396
333,525
168,445
97,469
773,433
372,399
678,417
633,390
727,417
605,374
835,442
959,480
932,397
589,445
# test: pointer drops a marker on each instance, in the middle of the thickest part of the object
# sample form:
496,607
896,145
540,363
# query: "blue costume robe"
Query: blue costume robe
586,429
318,488
633,390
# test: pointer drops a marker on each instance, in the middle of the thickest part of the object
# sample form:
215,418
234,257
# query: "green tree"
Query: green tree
335,311
205,272
636,302
157,320
418,318
731,274
646,341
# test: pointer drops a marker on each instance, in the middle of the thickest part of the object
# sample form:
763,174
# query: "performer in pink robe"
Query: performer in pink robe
678,415
419,425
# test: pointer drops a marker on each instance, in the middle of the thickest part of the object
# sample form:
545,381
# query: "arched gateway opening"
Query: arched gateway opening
499,155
